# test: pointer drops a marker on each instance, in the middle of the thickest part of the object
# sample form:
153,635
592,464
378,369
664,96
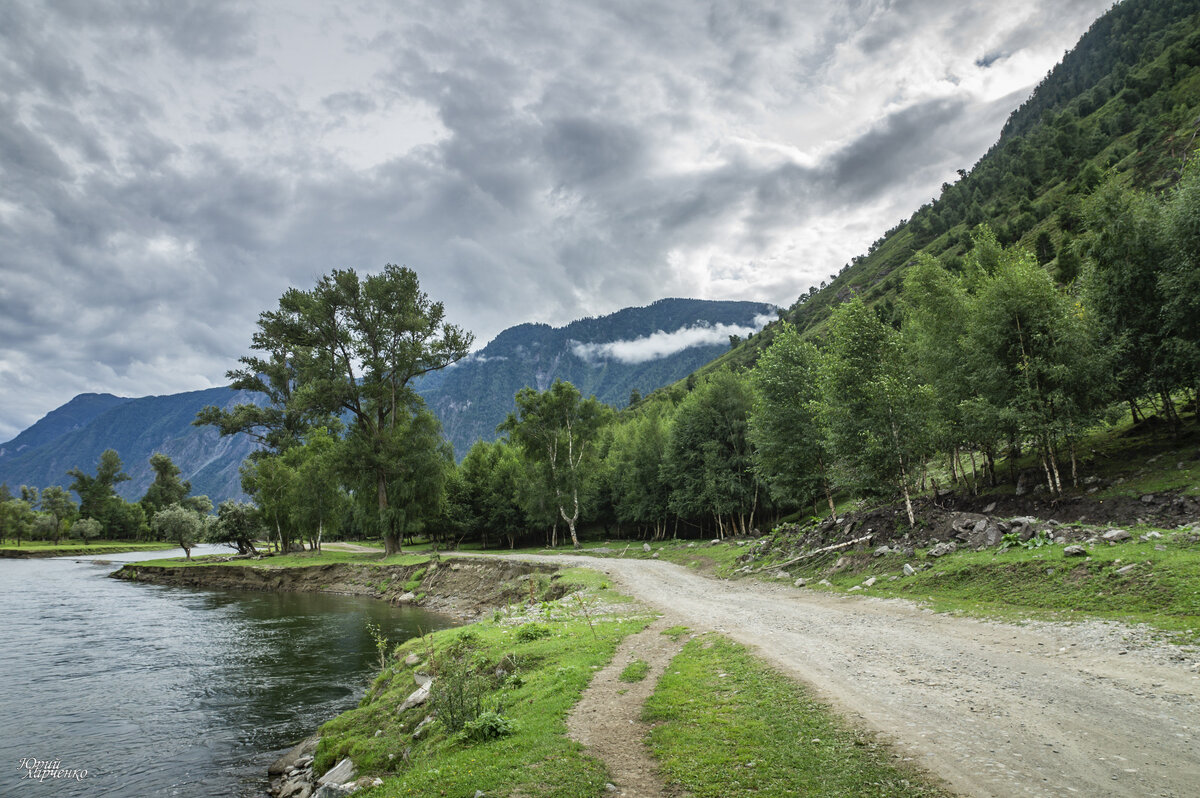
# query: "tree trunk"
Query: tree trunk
974,474
392,544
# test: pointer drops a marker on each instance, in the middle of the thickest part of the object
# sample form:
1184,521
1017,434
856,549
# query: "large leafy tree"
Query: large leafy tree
237,526
315,496
556,428
167,488
16,519
179,525
640,491
875,410
95,491
709,460
352,347
56,502
790,446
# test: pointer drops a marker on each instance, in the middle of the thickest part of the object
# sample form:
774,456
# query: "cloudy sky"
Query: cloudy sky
169,167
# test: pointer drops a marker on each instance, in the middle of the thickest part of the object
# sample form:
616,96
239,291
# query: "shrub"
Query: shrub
529,632
489,725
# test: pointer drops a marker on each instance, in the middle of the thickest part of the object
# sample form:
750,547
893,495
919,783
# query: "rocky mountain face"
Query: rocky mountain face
611,356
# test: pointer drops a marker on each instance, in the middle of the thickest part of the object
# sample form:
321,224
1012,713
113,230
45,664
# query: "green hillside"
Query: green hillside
1124,101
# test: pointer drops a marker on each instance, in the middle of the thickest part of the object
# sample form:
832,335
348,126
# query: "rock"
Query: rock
646,547
825,582
1152,535
882,551
714,542
340,773
856,587
417,732
870,582
801,582
990,508
422,679
331,791
942,549
1148,498
418,697
908,570
654,556
1127,568
984,533
412,659
840,564
408,598
1060,540
1074,551
480,794
1116,535
781,575
292,758
691,545
909,551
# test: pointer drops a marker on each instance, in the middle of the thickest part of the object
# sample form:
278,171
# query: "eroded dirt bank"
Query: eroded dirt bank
461,587
994,709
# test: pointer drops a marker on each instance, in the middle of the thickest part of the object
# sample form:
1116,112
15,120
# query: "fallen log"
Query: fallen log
815,552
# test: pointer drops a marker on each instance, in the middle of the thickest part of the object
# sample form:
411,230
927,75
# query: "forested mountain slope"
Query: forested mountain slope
1125,102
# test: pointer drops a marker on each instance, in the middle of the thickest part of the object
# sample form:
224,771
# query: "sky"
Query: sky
168,168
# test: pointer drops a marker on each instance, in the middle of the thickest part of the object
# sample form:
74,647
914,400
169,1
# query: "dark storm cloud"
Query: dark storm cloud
168,168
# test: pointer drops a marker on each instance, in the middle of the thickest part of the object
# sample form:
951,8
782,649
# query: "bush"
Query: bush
457,693
529,632
489,726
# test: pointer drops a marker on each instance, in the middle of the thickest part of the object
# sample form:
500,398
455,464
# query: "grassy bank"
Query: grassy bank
298,560
75,548
525,668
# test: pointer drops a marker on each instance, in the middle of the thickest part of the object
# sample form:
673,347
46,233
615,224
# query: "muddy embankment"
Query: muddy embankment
461,587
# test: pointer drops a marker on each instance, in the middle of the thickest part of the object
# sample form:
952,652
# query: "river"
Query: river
165,691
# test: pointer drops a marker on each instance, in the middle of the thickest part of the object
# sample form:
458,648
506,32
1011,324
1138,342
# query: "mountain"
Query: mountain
1123,103
136,428
610,356
74,415
639,349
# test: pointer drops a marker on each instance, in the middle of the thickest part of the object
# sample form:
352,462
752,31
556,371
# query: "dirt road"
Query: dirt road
994,709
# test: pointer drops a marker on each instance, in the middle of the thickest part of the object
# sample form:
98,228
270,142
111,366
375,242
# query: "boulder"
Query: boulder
340,773
1074,551
1116,535
1127,568
869,582
882,551
418,697
801,582
908,570
942,549
984,534
412,659
292,758
646,547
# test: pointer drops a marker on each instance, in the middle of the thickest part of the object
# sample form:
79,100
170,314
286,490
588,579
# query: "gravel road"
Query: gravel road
1091,709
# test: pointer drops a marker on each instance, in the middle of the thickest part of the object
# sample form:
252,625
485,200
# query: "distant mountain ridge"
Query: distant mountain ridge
640,348
609,356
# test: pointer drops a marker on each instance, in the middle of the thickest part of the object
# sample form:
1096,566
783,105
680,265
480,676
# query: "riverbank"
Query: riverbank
464,588
548,641
37,550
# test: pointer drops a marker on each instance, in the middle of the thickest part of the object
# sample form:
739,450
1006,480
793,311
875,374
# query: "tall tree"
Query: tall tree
875,410
356,346
315,495
16,519
709,460
167,488
57,503
556,428
790,447
97,494
237,526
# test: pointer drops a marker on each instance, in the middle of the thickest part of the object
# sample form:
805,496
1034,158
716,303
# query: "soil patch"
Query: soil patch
607,720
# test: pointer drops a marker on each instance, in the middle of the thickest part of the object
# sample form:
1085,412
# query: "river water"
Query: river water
165,691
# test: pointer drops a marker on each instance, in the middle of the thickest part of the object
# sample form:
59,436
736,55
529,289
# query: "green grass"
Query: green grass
544,677
1162,590
726,726
75,547
676,632
635,671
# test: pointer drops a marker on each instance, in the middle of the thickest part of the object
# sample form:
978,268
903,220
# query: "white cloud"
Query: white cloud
663,344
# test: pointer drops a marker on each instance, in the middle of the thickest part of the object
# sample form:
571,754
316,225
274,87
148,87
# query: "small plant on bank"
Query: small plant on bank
381,643
457,694
489,725
527,633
